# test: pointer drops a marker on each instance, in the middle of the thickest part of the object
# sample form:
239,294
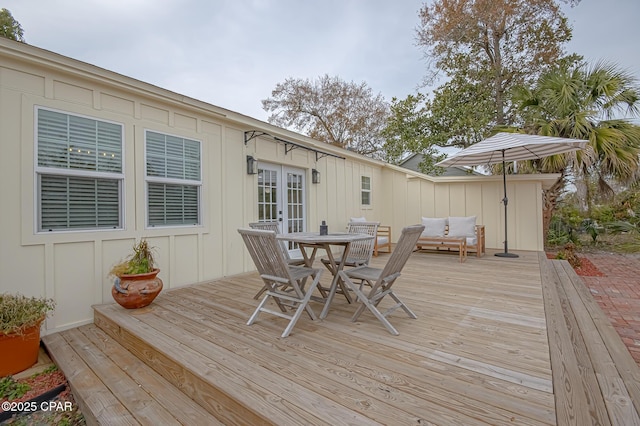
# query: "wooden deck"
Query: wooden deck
497,341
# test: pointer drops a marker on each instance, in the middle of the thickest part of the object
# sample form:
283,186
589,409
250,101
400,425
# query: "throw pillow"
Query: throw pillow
358,219
433,226
462,226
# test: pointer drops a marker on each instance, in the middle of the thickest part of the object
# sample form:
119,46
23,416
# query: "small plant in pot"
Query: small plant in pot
136,283
20,320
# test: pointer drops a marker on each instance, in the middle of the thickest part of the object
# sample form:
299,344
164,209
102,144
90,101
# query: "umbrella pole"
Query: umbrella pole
505,200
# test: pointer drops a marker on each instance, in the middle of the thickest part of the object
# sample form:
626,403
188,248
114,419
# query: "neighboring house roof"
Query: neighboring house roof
412,162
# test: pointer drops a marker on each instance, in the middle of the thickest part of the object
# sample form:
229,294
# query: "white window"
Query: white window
78,172
365,190
174,180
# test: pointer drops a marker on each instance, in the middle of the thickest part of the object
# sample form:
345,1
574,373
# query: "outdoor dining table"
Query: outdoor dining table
315,241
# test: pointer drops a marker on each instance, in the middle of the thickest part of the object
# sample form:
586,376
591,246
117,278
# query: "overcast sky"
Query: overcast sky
232,53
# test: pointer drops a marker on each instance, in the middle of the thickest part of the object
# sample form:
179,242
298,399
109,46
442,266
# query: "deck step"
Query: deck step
600,378
231,388
112,386
178,364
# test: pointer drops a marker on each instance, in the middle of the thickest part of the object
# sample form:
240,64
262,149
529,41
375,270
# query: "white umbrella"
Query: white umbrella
504,147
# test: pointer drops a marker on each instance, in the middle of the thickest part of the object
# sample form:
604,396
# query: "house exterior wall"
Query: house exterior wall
72,267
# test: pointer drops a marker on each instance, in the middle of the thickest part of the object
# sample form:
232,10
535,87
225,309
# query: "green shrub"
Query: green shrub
561,233
569,254
18,312
602,214
10,389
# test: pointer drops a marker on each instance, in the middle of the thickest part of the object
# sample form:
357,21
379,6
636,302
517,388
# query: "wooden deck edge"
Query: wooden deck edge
567,383
211,397
595,377
122,380
240,392
95,400
621,359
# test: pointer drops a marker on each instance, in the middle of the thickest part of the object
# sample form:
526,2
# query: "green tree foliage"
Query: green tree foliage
407,132
488,47
484,49
461,111
9,27
328,109
456,115
582,102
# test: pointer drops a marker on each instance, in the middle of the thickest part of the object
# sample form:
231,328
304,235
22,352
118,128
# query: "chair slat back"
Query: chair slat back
272,226
403,250
268,226
361,251
283,285
266,252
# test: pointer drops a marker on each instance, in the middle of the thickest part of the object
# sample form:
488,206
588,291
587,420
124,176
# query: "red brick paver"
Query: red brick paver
618,294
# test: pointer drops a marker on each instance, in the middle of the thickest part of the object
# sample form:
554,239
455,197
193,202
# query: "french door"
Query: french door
281,196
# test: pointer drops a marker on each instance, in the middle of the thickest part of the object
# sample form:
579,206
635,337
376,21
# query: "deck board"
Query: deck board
602,380
481,351
98,404
342,386
164,393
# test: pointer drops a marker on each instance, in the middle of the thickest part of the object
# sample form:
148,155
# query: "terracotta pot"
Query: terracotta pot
136,291
19,351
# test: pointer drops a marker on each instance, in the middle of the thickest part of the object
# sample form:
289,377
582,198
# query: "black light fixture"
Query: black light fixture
315,176
252,165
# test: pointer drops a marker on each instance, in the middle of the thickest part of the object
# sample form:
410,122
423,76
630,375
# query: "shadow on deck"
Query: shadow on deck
497,341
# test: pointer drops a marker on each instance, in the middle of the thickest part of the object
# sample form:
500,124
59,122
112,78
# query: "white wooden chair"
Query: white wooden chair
284,283
381,280
383,236
274,226
360,252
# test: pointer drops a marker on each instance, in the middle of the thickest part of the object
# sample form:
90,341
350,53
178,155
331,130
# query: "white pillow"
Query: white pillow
433,226
462,226
358,219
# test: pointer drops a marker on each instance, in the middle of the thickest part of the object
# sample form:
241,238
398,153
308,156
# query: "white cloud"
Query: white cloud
232,53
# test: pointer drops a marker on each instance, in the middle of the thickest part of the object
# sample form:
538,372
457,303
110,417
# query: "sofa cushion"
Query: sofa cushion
462,226
382,240
434,226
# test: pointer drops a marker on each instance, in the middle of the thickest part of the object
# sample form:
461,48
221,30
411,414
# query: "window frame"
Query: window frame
40,171
364,190
173,181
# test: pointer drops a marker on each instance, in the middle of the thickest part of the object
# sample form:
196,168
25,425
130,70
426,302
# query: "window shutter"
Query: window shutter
70,142
173,204
78,203
171,159
76,158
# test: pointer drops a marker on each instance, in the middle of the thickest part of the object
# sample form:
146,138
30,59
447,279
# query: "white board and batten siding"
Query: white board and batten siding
72,266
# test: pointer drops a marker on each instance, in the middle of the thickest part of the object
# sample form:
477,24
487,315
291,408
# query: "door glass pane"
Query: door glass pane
267,195
295,221
281,197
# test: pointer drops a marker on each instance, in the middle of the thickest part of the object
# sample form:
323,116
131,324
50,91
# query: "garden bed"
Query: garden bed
586,268
42,397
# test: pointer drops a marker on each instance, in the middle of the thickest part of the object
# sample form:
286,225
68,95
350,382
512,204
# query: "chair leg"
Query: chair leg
366,303
255,314
261,292
297,296
304,305
402,305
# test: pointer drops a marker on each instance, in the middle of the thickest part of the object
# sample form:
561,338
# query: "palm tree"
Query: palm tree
582,103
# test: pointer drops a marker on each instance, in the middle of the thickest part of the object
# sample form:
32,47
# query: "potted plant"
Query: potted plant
20,320
136,283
